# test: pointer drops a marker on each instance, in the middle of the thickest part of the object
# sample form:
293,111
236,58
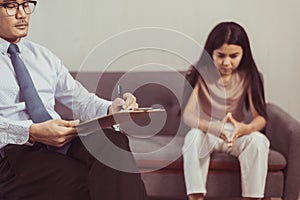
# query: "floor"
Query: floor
210,199
214,198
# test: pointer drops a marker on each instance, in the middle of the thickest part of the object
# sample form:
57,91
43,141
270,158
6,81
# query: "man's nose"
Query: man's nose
20,12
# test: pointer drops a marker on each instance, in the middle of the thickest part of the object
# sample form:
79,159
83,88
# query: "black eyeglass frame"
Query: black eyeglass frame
17,6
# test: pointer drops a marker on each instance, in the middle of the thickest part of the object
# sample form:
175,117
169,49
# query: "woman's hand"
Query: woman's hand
217,128
55,132
240,129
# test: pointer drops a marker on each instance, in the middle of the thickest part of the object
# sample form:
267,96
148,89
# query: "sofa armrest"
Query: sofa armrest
283,131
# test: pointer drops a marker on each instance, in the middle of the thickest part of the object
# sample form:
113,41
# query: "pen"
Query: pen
117,127
120,93
119,88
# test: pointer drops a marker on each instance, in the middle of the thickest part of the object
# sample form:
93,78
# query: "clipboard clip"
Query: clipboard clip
117,127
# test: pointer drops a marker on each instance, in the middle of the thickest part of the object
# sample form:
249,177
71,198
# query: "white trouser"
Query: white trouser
252,151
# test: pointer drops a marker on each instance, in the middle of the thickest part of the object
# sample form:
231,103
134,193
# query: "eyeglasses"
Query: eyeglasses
12,8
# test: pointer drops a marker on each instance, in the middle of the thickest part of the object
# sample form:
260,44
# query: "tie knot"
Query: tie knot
13,49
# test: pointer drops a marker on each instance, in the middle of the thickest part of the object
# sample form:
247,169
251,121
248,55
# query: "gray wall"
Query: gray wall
72,29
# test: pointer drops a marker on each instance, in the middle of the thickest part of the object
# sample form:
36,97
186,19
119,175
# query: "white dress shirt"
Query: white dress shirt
52,81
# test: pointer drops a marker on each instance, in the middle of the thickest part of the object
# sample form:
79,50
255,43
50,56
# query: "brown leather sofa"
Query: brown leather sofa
158,152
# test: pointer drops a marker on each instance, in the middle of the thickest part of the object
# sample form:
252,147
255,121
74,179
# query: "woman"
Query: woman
224,83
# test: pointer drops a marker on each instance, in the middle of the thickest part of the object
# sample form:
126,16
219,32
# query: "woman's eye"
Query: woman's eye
234,56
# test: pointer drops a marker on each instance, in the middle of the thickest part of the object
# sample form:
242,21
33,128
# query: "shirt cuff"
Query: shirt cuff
17,133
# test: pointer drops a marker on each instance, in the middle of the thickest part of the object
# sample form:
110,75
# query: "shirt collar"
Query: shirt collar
5,44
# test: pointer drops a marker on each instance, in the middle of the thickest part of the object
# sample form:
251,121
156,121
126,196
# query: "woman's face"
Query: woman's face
227,58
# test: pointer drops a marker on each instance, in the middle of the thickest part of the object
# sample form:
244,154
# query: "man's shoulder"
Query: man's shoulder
36,48
33,45
39,51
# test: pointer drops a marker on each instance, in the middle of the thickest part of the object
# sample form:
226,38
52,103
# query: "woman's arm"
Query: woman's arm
192,119
190,116
258,122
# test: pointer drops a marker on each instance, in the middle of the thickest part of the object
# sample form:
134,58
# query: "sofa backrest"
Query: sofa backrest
161,89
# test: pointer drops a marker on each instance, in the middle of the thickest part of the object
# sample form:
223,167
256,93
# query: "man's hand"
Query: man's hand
55,132
128,102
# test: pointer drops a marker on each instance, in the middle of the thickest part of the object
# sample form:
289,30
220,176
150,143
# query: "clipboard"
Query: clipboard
87,127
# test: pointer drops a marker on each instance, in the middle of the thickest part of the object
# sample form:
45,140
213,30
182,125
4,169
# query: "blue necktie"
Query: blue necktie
34,104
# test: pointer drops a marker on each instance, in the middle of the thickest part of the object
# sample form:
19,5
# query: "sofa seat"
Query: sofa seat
160,156
172,149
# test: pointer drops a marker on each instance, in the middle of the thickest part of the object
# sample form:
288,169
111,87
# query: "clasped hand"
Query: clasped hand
240,129
58,132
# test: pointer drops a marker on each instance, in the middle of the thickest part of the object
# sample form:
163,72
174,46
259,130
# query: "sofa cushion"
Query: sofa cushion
164,153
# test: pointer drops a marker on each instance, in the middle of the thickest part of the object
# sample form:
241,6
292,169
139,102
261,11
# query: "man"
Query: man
28,169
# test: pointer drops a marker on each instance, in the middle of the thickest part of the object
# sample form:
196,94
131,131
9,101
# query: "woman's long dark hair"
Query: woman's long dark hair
230,33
